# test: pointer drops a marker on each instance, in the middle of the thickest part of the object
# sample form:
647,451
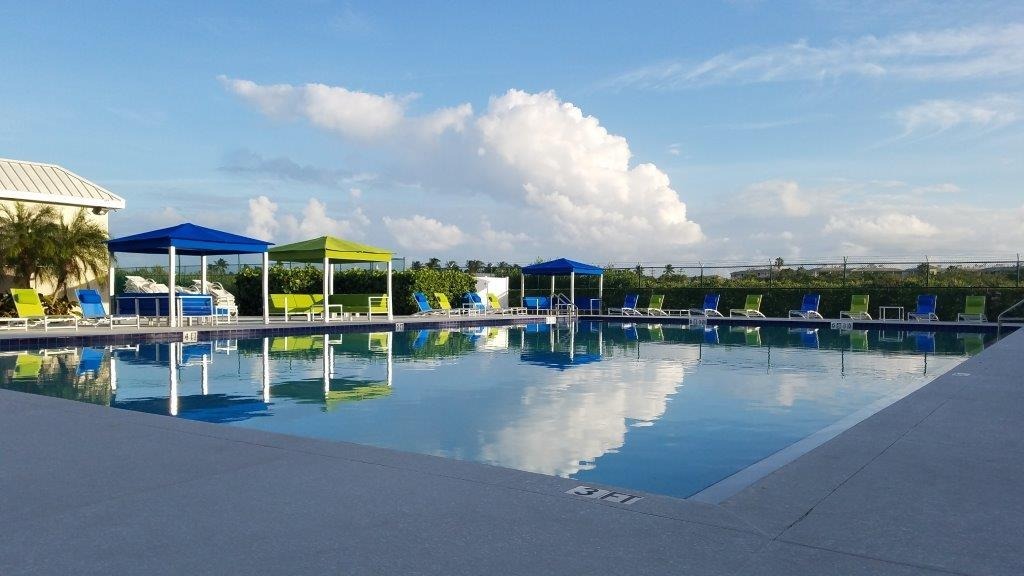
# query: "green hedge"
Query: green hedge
309,280
778,302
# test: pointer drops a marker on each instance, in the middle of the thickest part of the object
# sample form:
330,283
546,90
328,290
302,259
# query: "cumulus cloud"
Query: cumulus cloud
544,156
355,114
949,54
884,229
267,223
934,116
422,233
777,197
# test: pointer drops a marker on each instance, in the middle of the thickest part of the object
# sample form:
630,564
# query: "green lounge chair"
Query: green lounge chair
368,304
974,310
751,307
444,304
496,306
654,307
858,308
30,307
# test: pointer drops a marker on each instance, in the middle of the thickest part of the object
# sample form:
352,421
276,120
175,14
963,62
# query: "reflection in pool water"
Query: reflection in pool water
660,408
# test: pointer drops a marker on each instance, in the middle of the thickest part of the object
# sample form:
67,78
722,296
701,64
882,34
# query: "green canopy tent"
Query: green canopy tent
329,250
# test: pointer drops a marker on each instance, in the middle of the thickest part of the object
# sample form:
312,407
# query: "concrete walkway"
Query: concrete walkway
930,485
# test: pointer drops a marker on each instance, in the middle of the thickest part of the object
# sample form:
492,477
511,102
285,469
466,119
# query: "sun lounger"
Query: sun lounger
808,307
30,307
654,307
497,307
710,307
858,308
628,306
974,310
445,304
424,306
751,307
926,304
94,314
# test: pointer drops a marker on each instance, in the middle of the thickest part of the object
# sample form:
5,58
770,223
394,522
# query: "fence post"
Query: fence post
1017,284
701,284
844,271
927,271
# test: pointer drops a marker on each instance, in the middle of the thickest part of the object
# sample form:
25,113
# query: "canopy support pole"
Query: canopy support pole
522,289
552,287
572,288
600,292
332,278
172,257
327,288
202,274
391,315
266,289
110,283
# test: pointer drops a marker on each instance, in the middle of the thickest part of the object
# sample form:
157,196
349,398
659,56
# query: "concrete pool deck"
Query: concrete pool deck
929,485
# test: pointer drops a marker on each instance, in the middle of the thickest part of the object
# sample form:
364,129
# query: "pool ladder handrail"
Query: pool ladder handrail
562,302
1004,316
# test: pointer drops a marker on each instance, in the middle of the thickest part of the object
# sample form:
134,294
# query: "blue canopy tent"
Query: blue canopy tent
191,240
563,267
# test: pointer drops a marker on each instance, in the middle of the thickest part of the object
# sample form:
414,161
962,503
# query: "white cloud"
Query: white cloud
576,175
950,54
355,114
262,218
267,224
561,170
881,230
773,197
422,233
934,116
501,241
674,149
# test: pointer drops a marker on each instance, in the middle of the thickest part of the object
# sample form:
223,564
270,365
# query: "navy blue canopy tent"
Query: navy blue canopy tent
191,240
564,267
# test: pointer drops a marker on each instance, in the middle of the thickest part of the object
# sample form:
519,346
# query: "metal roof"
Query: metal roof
50,184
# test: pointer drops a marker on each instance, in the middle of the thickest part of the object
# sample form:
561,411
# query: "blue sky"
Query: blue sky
608,132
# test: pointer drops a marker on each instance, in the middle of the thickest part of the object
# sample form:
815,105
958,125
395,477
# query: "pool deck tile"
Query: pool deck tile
929,485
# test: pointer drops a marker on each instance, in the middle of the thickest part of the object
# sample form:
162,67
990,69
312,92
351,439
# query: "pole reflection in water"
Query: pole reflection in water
266,370
172,362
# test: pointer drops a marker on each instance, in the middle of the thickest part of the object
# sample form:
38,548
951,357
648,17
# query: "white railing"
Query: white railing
1005,315
563,306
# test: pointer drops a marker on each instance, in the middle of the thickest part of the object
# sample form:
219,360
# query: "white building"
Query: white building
35,184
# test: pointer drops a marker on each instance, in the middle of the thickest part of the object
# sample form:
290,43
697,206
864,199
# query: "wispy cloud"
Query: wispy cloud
935,116
284,168
949,54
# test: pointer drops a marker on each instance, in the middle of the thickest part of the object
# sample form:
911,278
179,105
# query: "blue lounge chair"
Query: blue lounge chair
94,314
808,307
537,304
710,307
628,306
925,308
425,308
472,301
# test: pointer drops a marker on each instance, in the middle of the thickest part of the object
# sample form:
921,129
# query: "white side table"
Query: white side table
884,310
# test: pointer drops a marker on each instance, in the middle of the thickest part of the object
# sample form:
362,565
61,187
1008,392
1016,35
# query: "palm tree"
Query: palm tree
27,240
80,251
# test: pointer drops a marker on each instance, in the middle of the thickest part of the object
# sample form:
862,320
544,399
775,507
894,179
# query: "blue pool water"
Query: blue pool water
664,409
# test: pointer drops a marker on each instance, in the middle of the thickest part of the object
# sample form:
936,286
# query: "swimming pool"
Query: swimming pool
657,408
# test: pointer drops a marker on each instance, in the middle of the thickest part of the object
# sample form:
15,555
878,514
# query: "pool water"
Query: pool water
657,408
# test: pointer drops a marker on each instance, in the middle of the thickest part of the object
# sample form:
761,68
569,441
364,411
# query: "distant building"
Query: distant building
758,273
37,184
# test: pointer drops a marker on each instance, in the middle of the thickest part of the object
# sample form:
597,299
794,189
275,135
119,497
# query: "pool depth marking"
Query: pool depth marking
600,494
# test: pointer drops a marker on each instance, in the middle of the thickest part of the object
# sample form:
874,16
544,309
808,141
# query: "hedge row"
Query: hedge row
309,280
